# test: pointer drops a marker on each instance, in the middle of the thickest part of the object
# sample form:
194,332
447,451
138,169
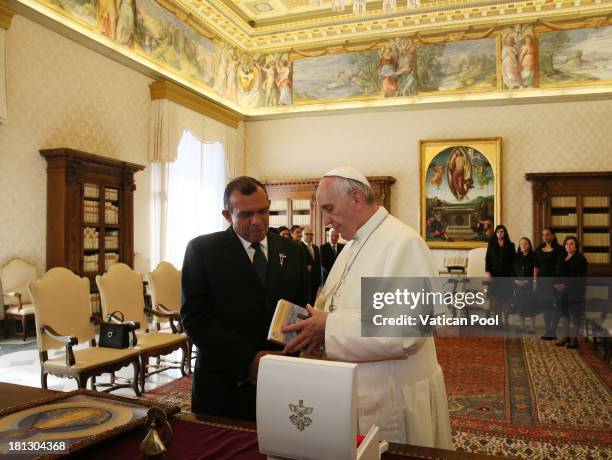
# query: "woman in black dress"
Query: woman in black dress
571,286
525,262
548,253
499,266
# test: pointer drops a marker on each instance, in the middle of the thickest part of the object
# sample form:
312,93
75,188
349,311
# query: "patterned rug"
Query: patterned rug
514,397
527,398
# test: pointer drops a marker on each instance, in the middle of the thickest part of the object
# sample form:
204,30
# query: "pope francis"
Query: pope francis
400,383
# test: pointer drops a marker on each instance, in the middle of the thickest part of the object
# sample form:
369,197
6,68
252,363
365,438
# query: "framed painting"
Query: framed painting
457,67
338,77
576,57
460,191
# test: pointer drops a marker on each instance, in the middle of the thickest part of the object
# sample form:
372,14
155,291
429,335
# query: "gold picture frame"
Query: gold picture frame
460,191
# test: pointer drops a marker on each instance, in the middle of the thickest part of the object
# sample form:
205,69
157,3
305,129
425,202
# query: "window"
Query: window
188,197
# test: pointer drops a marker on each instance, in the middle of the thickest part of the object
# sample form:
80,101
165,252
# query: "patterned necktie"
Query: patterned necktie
260,263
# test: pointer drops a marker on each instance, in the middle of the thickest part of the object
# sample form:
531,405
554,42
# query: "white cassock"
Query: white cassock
400,383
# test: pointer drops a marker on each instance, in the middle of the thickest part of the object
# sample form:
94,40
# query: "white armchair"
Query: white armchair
14,279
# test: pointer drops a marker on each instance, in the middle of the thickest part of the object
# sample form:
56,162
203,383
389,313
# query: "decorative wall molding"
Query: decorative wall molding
164,89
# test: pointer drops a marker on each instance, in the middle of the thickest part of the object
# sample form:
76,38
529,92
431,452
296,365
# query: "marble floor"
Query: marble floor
19,364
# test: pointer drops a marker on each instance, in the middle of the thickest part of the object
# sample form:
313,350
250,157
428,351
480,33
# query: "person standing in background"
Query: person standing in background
499,266
329,253
313,260
571,286
525,263
548,253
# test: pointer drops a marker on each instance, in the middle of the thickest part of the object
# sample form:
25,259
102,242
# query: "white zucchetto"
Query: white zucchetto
348,172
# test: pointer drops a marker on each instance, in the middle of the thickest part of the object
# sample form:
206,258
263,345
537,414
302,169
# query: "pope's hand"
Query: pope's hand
311,332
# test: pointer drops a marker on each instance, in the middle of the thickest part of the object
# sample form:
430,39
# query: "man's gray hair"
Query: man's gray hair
344,186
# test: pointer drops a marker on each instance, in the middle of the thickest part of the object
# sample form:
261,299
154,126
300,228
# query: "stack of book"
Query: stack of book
111,240
111,213
90,212
90,263
110,258
90,238
111,194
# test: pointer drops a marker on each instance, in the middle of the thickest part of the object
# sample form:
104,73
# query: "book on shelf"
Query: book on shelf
566,220
90,238
597,257
286,313
595,202
90,211
111,194
278,205
300,205
111,213
277,221
595,219
563,202
91,191
596,239
90,263
110,259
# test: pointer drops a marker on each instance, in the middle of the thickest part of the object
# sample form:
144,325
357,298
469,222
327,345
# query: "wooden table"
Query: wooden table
11,395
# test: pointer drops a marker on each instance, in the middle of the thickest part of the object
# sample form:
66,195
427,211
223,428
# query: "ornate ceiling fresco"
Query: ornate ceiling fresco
266,57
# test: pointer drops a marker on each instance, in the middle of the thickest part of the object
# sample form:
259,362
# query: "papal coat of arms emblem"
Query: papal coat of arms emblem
300,413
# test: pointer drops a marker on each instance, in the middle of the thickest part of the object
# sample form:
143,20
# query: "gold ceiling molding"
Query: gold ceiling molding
164,89
6,15
589,23
318,33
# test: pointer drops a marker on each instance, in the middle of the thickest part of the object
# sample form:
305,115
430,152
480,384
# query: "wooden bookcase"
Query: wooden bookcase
578,204
294,202
90,211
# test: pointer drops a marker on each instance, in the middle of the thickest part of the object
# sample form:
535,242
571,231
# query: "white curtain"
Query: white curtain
187,197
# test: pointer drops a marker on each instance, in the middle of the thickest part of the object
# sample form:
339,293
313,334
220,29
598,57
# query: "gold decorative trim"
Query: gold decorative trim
6,15
164,89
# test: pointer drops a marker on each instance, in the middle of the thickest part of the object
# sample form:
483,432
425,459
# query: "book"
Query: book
286,313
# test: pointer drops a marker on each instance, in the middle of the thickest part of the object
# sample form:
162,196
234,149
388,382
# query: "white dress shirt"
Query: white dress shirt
263,244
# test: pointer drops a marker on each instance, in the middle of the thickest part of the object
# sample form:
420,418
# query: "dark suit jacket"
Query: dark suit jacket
226,312
328,258
315,272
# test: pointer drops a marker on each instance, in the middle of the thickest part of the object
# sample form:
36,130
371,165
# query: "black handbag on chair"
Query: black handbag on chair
115,335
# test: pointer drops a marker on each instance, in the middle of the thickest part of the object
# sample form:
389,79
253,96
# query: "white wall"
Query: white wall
61,94
572,136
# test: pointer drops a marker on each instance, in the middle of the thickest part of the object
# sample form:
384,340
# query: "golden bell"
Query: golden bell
152,444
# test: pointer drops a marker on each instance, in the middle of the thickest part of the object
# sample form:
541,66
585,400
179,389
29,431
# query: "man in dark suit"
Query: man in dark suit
313,260
231,283
329,252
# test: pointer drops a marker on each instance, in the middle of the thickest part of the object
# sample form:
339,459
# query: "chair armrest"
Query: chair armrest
163,309
70,340
18,296
169,314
